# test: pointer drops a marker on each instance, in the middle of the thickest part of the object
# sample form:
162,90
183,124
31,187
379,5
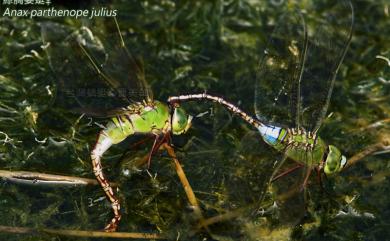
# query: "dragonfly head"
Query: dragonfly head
334,161
181,121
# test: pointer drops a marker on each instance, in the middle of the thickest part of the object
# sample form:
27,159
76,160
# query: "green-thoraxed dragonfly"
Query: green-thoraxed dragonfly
294,84
90,72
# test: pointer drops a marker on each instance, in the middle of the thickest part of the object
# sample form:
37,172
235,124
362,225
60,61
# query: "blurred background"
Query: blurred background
192,47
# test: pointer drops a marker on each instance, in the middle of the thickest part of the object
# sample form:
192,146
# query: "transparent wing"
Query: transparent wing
279,72
282,200
277,92
94,69
329,38
298,70
262,159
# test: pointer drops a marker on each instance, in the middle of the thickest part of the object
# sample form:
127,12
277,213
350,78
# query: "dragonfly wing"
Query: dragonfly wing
95,71
281,201
277,102
280,70
329,38
263,159
120,64
289,193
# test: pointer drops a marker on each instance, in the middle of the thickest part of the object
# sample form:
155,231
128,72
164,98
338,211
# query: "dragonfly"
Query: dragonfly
294,83
102,78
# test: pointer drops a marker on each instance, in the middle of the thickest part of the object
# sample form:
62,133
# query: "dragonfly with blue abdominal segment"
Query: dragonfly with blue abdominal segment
294,84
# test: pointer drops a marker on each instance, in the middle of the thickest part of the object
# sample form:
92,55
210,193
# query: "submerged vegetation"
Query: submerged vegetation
193,47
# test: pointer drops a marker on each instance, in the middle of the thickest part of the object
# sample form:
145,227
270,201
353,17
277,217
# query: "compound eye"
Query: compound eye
179,121
179,118
334,160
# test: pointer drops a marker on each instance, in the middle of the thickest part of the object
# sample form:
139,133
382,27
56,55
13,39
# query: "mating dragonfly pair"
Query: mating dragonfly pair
292,91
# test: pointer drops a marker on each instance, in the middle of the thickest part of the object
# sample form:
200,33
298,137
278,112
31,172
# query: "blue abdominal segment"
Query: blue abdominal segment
271,134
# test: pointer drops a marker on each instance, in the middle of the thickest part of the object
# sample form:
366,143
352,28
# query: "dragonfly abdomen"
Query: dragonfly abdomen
272,135
233,108
137,118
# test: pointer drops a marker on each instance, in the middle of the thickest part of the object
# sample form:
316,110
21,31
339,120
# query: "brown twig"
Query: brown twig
223,217
79,233
180,172
376,124
37,178
370,149
235,213
187,187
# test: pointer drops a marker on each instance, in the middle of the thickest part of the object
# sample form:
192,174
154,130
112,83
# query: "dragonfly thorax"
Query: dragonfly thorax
300,138
304,147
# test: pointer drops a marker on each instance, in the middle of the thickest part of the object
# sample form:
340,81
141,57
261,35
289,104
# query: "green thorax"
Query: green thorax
152,117
301,146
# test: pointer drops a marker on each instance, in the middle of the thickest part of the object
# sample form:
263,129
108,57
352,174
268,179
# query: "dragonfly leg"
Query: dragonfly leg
141,141
102,144
154,147
157,143
319,178
308,172
165,139
321,183
286,172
